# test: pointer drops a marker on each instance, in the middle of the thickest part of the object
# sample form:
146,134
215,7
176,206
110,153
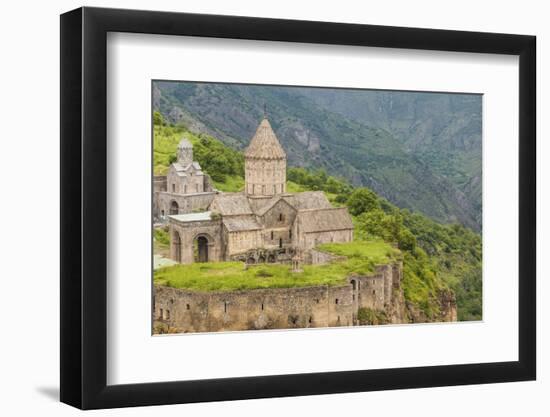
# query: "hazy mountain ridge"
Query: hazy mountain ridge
316,132
442,130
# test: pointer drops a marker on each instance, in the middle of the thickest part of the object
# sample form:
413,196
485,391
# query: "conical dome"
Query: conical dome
265,144
185,144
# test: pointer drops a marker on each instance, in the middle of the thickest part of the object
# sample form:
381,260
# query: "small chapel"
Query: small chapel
262,224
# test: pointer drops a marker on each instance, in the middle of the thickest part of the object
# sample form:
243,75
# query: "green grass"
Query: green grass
233,276
375,251
292,187
232,184
166,140
161,236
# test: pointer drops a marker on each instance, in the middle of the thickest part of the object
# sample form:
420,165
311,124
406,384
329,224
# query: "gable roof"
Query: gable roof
308,200
264,144
241,223
324,220
272,203
229,204
258,204
183,170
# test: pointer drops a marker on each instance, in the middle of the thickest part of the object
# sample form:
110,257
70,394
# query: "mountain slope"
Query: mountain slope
315,137
442,130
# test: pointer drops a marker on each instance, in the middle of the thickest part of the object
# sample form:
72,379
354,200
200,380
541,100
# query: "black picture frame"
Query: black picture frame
84,207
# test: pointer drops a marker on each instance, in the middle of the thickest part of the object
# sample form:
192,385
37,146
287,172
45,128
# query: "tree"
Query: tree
157,118
406,241
361,201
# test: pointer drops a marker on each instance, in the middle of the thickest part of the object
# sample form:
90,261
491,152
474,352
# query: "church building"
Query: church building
263,223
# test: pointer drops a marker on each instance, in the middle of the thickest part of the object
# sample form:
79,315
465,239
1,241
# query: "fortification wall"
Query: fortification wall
281,308
277,308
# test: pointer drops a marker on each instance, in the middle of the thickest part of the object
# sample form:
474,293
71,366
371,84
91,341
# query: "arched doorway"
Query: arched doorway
201,249
261,259
174,208
177,247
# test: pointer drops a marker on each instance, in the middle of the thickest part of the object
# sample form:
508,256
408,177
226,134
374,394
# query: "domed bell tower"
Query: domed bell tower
185,152
265,163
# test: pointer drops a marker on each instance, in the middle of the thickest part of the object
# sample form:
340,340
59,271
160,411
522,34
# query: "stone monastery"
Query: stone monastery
263,223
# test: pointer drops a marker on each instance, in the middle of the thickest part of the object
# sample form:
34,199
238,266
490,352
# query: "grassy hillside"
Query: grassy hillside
224,165
436,256
232,276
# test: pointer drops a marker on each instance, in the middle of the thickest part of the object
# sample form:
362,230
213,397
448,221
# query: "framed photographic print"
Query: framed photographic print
256,208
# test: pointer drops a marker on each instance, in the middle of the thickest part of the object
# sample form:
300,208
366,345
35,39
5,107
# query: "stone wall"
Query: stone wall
183,236
278,221
265,176
278,308
318,257
185,185
308,241
187,203
242,241
159,183
283,308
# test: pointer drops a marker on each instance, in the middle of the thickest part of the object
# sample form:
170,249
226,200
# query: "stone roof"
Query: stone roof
185,144
257,204
229,204
324,220
191,217
265,144
308,200
182,170
241,223
269,204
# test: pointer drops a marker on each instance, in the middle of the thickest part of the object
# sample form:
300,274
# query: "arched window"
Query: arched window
280,243
281,217
200,249
272,235
174,208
